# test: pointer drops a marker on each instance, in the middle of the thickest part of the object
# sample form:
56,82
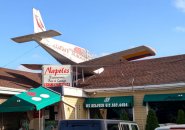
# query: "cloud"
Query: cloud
180,4
180,29
22,68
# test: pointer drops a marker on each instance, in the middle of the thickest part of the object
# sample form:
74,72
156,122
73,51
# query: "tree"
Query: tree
151,122
124,116
180,117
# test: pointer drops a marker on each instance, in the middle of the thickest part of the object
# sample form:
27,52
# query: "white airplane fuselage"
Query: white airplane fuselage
72,52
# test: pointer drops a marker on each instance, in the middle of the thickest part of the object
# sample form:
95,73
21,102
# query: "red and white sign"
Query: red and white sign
56,75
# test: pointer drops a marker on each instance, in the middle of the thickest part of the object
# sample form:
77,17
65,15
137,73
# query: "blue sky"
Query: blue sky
101,26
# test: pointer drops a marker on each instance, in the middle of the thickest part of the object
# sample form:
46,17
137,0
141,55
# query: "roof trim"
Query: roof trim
139,88
10,91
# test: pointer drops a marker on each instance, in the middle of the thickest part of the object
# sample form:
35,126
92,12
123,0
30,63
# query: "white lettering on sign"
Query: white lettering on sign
107,99
97,105
106,105
56,75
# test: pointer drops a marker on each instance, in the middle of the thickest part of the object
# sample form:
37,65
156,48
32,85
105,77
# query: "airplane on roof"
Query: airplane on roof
67,53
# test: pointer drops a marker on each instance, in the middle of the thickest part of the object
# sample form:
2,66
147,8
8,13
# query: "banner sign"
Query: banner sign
107,102
56,75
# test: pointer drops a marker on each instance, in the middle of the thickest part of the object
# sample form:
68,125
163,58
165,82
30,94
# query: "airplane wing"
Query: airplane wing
122,56
89,66
115,58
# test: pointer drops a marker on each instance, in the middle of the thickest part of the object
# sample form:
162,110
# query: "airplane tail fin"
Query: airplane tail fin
39,30
38,22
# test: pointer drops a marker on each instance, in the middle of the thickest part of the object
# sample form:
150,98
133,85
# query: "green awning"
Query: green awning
164,97
34,99
106,102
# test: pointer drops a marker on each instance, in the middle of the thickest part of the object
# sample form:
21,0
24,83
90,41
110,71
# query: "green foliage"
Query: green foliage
180,117
152,121
124,116
96,116
51,123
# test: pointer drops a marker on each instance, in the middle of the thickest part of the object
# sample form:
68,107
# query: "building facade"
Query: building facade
129,88
157,84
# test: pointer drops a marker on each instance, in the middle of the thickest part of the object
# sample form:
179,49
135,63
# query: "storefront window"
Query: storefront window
10,121
112,127
167,111
95,113
111,113
51,120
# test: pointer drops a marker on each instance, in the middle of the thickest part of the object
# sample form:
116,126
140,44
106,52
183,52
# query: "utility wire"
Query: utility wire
20,56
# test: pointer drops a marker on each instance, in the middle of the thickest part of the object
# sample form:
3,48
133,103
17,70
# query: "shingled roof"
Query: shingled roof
165,70
19,79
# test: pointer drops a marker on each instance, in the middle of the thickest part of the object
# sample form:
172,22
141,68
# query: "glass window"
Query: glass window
124,127
120,113
95,113
134,127
112,113
167,111
112,127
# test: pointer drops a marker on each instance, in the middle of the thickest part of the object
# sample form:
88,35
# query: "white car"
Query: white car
171,127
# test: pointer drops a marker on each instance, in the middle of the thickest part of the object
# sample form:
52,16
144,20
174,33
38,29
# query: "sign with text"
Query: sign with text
56,75
107,102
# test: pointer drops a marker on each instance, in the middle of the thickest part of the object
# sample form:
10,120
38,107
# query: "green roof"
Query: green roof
34,99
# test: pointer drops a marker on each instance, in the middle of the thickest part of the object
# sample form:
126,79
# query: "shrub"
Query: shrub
180,117
151,122
124,116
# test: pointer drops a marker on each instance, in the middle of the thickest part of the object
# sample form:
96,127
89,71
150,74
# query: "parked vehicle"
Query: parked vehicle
97,124
171,127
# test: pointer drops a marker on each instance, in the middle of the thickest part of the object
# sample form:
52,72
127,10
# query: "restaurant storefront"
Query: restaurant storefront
166,106
114,103
131,88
